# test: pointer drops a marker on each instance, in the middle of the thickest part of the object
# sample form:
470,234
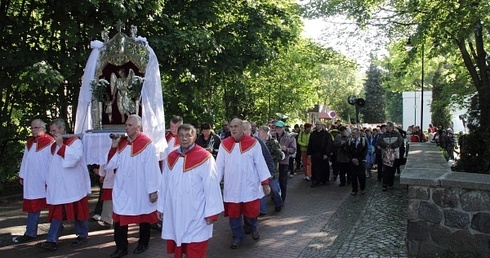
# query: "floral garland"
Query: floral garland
99,89
136,86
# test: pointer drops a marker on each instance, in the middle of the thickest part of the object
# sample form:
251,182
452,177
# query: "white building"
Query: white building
411,111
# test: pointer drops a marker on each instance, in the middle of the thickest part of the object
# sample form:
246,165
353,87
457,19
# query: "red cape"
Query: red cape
193,158
246,143
42,142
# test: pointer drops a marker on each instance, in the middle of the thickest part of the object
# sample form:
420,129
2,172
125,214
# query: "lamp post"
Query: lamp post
422,97
414,107
410,47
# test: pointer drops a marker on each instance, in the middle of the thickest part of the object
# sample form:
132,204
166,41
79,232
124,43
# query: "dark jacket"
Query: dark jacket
212,143
267,156
358,152
320,144
390,140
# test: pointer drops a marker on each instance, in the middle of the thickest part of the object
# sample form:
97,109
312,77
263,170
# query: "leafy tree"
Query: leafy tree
374,109
205,49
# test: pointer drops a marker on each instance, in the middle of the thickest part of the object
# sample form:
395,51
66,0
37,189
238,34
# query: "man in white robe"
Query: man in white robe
171,137
136,185
190,197
32,177
68,184
244,171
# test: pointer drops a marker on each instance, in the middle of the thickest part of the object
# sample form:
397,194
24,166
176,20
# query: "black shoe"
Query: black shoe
140,248
256,235
246,230
157,226
235,244
79,241
353,193
22,239
50,246
384,188
119,253
277,209
341,185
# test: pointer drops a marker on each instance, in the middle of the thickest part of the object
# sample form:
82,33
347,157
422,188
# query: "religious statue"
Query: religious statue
120,90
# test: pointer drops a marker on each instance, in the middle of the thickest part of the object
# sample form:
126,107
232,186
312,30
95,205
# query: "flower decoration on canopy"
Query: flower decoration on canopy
99,89
136,86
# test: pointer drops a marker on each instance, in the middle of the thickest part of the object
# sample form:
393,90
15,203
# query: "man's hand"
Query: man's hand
267,189
355,162
115,142
160,215
58,139
209,221
153,197
325,157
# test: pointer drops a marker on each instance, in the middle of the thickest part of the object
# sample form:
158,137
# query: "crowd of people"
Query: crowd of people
182,191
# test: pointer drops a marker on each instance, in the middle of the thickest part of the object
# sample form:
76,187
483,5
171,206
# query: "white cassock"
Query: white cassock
34,166
137,176
242,167
68,179
190,193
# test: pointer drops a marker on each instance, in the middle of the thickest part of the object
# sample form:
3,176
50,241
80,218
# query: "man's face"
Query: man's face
236,129
132,128
174,127
389,128
225,127
262,135
355,134
279,130
318,126
206,132
307,129
36,129
272,124
186,138
55,130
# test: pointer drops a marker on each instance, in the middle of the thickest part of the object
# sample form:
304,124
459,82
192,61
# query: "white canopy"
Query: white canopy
153,118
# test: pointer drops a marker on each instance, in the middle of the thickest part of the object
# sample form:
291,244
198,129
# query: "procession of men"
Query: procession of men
187,188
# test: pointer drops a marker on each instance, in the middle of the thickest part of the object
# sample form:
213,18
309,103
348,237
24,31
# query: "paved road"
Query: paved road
316,222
